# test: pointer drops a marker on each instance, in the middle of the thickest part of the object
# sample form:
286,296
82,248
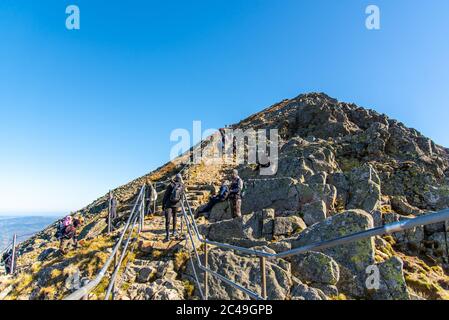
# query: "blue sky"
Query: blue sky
88,110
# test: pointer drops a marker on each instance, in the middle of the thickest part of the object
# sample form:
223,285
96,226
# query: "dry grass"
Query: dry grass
340,297
424,279
189,289
47,280
427,281
180,260
163,172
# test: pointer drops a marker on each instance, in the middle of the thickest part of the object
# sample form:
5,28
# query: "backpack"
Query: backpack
67,221
176,193
60,229
69,232
224,193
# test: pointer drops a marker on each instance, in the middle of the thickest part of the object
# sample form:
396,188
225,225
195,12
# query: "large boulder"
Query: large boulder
286,226
314,212
440,243
256,225
354,257
245,270
152,270
221,211
223,231
410,239
437,197
301,159
340,182
315,267
364,189
259,224
320,158
163,289
310,193
301,291
400,205
392,285
280,194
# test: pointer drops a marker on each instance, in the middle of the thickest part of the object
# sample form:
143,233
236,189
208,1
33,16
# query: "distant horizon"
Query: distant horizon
30,214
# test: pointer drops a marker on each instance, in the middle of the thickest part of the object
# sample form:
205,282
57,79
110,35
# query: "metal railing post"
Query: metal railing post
263,277
142,211
182,221
86,296
115,267
109,213
206,274
445,241
129,226
12,270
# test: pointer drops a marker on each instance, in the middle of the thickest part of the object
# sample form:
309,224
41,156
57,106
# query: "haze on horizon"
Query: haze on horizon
85,111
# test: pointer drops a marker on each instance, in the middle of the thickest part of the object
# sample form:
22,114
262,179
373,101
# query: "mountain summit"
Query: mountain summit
341,169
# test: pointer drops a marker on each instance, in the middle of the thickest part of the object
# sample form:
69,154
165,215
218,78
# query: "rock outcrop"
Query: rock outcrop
341,169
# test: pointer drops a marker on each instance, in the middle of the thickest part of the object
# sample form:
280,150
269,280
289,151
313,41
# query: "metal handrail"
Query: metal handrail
122,256
208,270
194,249
85,290
433,218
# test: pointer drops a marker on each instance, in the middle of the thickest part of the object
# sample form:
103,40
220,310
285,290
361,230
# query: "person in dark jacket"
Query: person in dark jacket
113,206
235,194
222,195
171,204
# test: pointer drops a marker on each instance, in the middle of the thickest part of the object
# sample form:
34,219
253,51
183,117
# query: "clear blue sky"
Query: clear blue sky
85,111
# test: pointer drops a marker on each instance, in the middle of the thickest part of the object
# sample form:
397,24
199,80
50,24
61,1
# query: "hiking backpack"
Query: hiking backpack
176,193
67,221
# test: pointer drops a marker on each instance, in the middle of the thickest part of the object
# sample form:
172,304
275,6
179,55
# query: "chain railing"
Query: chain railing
432,218
136,216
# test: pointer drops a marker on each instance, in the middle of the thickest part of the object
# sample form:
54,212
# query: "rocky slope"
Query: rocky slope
342,169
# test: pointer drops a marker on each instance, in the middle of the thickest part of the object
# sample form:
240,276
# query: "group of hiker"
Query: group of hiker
172,202
66,232
230,190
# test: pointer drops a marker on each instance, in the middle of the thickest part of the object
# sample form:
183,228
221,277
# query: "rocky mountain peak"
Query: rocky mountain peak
341,169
